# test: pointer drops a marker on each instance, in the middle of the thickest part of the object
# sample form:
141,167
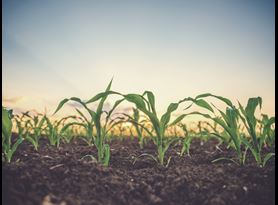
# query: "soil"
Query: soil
60,176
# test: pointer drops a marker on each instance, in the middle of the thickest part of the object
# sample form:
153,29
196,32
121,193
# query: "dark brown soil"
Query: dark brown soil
59,176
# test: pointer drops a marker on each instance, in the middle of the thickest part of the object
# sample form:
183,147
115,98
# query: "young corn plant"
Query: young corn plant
147,106
37,127
186,141
8,148
87,124
223,137
229,121
53,131
69,132
138,125
22,125
266,130
255,144
202,132
102,130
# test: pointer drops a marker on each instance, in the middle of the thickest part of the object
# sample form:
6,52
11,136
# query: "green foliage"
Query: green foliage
36,124
8,148
147,106
54,132
255,142
267,130
186,140
138,124
229,121
241,130
101,130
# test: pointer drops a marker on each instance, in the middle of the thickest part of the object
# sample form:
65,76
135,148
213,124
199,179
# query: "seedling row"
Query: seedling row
236,126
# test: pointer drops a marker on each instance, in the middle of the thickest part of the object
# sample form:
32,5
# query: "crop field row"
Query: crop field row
98,129
114,145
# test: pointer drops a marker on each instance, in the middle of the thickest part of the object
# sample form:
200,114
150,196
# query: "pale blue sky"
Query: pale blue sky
56,49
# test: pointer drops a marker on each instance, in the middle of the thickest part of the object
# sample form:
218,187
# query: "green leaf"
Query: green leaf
82,115
106,155
255,153
109,85
271,121
136,123
113,108
178,119
64,119
225,158
15,145
167,144
136,114
151,99
6,123
61,104
225,100
145,155
250,120
250,111
49,124
41,122
166,117
252,105
204,104
101,95
64,128
267,157
231,132
231,118
137,100
33,141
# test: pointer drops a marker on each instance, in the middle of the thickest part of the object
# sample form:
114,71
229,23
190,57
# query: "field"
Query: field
138,102
104,157
61,177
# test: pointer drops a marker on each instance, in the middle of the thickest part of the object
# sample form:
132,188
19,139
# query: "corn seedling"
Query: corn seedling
229,121
247,115
186,141
8,148
266,130
68,133
138,125
223,137
87,124
147,106
22,125
36,124
99,139
53,131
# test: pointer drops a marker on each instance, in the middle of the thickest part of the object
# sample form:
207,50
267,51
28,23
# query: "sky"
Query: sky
57,49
